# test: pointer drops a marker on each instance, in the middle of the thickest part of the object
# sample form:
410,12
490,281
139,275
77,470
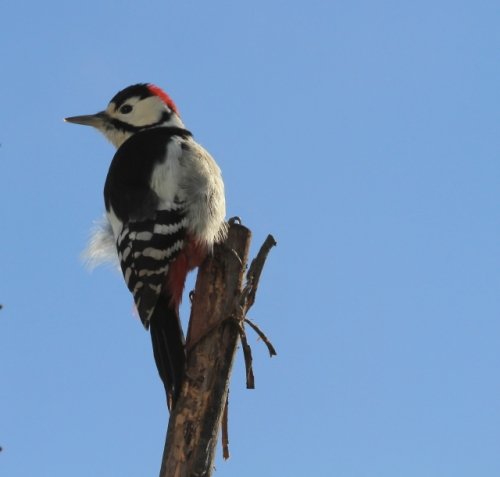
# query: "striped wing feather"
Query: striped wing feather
145,249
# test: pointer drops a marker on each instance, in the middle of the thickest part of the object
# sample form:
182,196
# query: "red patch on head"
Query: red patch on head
163,96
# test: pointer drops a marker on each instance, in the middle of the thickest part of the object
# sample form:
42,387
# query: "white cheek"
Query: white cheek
147,111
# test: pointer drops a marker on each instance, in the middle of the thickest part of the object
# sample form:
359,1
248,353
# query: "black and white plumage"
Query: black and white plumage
165,209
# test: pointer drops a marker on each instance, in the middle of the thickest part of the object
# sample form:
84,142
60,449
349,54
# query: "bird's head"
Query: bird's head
136,108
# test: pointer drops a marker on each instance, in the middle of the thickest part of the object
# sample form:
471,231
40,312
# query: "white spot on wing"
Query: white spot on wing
128,272
155,288
138,286
167,229
158,271
126,253
158,254
144,236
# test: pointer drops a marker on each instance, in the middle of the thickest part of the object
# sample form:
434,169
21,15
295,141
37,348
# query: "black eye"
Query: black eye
125,109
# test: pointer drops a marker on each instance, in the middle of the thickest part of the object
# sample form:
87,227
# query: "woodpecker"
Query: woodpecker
165,209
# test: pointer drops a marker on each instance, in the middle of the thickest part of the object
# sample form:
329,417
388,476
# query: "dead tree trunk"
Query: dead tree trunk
211,344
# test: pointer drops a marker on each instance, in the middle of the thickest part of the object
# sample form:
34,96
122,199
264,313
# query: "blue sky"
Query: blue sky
362,135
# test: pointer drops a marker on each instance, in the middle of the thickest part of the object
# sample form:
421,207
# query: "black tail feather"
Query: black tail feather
168,347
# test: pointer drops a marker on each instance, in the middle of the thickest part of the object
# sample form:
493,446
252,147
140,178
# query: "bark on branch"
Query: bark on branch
217,315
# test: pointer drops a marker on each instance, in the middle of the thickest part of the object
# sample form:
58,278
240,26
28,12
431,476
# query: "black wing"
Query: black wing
145,249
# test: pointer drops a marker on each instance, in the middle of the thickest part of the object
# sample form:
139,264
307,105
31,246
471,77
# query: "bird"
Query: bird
164,212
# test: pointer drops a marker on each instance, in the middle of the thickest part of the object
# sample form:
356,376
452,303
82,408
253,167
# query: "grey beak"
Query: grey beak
95,120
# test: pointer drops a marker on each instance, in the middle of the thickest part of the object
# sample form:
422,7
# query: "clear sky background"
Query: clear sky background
363,135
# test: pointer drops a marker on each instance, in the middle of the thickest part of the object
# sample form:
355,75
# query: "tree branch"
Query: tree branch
211,344
218,317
